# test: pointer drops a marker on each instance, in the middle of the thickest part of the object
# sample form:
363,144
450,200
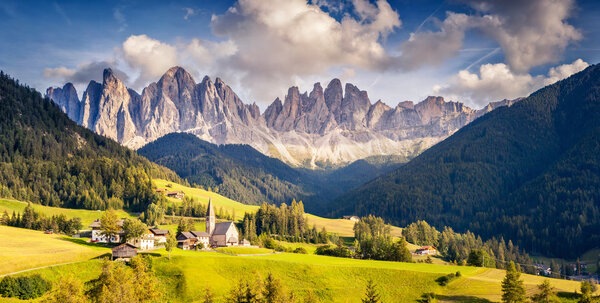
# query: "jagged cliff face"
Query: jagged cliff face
325,127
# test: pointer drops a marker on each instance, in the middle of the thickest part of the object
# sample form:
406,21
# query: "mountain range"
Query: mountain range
529,173
324,128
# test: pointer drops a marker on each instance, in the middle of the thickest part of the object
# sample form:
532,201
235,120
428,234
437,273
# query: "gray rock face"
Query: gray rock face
325,127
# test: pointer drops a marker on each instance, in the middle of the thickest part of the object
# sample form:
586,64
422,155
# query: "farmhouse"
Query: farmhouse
351,218
193,239
160,235
124,252
145,242
426,251
175,194
97,235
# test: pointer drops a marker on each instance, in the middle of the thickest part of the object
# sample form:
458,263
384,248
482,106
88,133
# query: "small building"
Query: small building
97,235
426,251
161,190
124,252
245,242
160,235
175,194
202,238
145,242
351,218
186,240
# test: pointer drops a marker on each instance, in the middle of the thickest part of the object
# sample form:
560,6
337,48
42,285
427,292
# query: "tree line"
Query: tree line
467,248
32,219
285,222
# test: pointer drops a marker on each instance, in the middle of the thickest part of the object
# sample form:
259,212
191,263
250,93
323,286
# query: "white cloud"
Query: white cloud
150,57
120,18
278,41
84,72
496,82
531,33
189,12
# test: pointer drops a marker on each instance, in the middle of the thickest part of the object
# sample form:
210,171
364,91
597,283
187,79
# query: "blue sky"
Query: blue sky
472,51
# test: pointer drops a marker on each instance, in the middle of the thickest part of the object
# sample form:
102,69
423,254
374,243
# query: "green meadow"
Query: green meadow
87,216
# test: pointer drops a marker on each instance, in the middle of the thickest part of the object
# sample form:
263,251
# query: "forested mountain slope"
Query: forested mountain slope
47,158
242,173
529,173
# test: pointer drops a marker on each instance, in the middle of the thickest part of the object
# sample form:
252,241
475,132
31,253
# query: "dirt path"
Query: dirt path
35,268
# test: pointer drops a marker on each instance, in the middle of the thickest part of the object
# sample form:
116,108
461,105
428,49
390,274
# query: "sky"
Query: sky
472,51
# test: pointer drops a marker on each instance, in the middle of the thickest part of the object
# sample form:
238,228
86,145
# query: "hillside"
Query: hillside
46,158
244,174
529,173
342,227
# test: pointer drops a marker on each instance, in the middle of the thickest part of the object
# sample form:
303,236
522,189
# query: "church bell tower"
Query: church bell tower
210,218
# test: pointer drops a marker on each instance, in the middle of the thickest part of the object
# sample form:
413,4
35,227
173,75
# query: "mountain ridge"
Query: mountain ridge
323,128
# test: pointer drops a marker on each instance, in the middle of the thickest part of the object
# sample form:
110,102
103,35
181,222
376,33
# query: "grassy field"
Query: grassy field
244,250
310,248
87,216
22,249
339,226
190,272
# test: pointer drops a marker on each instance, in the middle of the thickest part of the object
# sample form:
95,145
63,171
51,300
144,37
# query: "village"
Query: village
221,234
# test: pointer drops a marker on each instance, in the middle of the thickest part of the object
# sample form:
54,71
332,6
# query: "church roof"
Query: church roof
232,240
221,228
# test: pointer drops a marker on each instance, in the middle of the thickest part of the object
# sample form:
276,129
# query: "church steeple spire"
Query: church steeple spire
210,218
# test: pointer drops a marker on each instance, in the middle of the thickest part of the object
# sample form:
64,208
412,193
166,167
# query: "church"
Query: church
216,235
220,234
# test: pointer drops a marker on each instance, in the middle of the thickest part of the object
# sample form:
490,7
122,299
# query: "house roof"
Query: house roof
159,232
222,228
186,235
97,223
124,246
428,247
199,234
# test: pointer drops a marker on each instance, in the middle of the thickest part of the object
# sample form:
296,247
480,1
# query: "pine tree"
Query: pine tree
208,296
587,291
547,294
273,291
371,295
513,290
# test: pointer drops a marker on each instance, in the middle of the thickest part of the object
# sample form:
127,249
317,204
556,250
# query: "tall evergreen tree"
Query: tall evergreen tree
547,294
371,294
513,290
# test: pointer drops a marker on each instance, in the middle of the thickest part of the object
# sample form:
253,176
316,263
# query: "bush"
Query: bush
444,280
24,288
300,250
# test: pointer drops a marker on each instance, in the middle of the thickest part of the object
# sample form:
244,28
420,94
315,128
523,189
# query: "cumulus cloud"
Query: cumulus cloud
530,33
277,41
150,57
497,81
433,48
84,72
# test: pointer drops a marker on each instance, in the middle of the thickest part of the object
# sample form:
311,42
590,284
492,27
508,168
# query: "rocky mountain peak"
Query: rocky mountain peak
332,125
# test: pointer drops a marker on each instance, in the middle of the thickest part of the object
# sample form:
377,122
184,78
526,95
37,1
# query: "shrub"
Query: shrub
444,280
300,250
25,287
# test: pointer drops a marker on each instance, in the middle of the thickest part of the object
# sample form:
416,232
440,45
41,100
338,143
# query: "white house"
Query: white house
160,235
145,242
97,235
426,251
